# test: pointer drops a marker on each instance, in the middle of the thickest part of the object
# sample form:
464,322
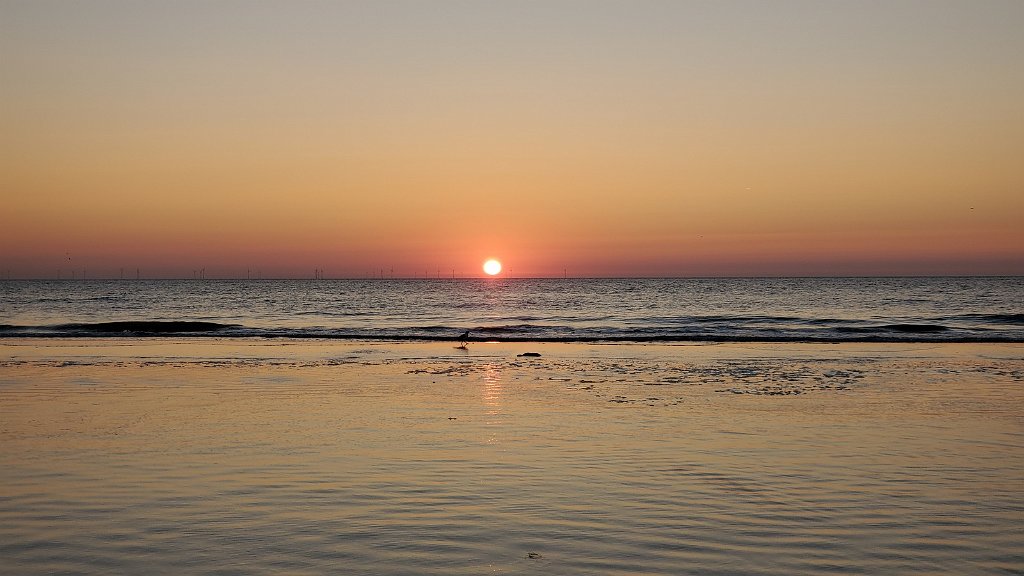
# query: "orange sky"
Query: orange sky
586,138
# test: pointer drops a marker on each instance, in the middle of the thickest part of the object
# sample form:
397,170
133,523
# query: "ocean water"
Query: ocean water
965,309
773,427
252,456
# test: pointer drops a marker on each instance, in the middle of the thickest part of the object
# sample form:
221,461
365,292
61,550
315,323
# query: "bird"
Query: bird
463,338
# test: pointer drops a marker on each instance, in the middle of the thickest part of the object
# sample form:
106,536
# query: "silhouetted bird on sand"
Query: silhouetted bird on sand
463,338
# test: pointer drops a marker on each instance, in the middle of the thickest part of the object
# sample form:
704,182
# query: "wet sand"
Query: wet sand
253,456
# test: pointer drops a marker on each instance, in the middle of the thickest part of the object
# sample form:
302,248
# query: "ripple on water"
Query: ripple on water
263,469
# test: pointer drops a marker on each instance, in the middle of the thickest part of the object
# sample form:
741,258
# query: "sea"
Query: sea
910,309
724,427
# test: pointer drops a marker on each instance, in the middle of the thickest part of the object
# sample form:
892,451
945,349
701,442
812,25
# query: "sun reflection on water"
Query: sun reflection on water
493,393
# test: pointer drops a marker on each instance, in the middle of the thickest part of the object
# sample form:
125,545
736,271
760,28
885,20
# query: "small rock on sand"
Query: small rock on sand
530,355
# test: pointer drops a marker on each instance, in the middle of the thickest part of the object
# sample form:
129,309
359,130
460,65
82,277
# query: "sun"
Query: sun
492,267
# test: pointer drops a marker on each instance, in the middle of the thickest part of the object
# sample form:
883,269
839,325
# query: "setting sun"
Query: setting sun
492,267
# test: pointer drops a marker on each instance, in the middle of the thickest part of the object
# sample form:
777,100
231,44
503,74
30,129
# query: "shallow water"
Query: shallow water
241,457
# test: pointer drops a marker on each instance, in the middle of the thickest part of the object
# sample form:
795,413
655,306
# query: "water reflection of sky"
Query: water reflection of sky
355,462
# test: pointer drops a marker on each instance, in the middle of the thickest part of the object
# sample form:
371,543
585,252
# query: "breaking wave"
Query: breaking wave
698,329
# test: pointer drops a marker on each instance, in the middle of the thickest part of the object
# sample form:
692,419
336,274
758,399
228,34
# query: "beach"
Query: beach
266,456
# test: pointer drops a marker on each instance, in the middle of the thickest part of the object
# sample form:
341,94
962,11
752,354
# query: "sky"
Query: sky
579,138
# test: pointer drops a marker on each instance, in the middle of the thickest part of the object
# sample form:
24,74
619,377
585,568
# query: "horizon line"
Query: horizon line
450,279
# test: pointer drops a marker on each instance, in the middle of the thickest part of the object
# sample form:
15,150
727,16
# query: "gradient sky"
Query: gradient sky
589,138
